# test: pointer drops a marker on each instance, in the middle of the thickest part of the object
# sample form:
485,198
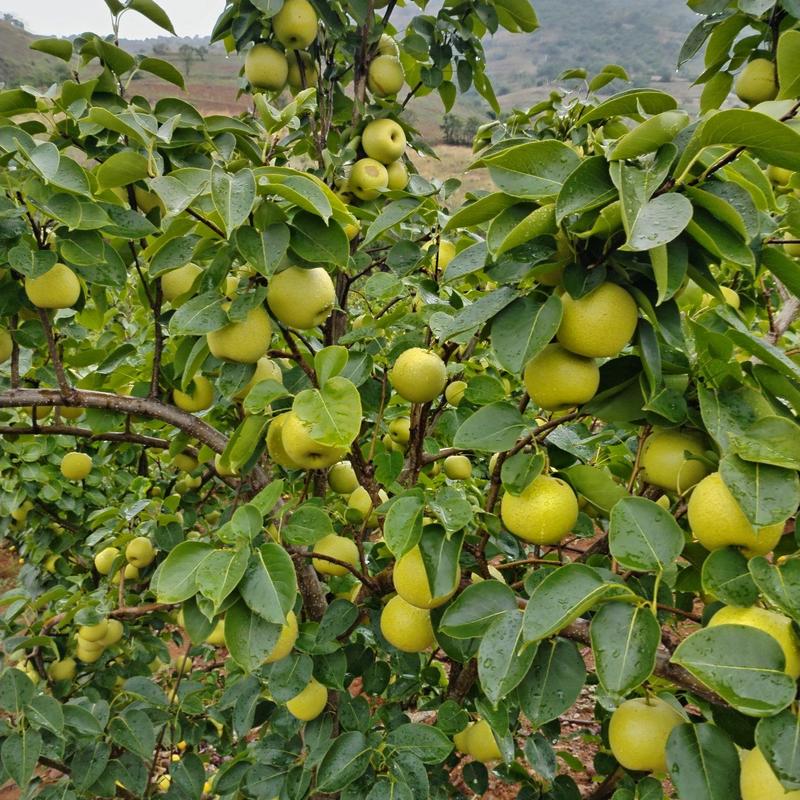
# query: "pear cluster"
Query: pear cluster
598,325
382,168
270,66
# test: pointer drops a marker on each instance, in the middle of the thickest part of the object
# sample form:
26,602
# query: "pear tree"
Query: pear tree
326,484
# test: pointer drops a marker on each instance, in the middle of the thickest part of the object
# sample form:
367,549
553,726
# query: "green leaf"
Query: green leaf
783,267
476,608
201,314
477,313
726,577
395,212
516,15
520,471
426,742
248,636
563,596
440,557
122,168
233,196
177,574
659,221
703,762
523,329
20,754
134,731
16,690
451,508
265,249
60,48
493,428
31,263
402,527
789,64
769,440
625,640
329,362
269,586
333,413
307,525
89,763
45,712
539,222
346,761
589,186
481,210
731,412
777,738
779,583
319,242
643,536
553,683
503,658
766,494
596,485
220,573
766,138
153,12
649,135
535,170
630,103
162,69
743,665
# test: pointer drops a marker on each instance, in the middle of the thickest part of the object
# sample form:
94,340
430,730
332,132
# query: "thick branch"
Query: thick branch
141,406
61,377
86,433
784,318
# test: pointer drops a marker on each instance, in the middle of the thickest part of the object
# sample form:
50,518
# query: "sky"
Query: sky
65,17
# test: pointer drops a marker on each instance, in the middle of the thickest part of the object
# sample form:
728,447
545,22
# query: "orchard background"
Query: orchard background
324,483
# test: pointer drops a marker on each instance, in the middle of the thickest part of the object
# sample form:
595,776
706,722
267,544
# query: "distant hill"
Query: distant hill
21,65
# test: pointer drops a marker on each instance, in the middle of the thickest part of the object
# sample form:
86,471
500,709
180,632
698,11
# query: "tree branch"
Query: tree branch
61,377
85,433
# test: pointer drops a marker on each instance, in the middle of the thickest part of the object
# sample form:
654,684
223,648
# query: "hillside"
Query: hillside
21,65
524,67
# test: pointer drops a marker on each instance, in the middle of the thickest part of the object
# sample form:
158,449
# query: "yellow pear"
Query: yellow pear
310,703
481,744
398,176
178,282
411,581
385,76
140,552
367,179
114,633
458,468
334,546
76,466
63,670
304,78
776,625
266,369
303,450
295,25
384,140
454,393
266,68
638,733
275,447
185,462
285,641
445,253
400,430
93,633
59,287
717,520
544,513
301,298
407,627
342,478
217,635
557,379
245,341
130,573
664,462
757,781
104,560
418,375
6,345
70,413
757,82
598,324
199,397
